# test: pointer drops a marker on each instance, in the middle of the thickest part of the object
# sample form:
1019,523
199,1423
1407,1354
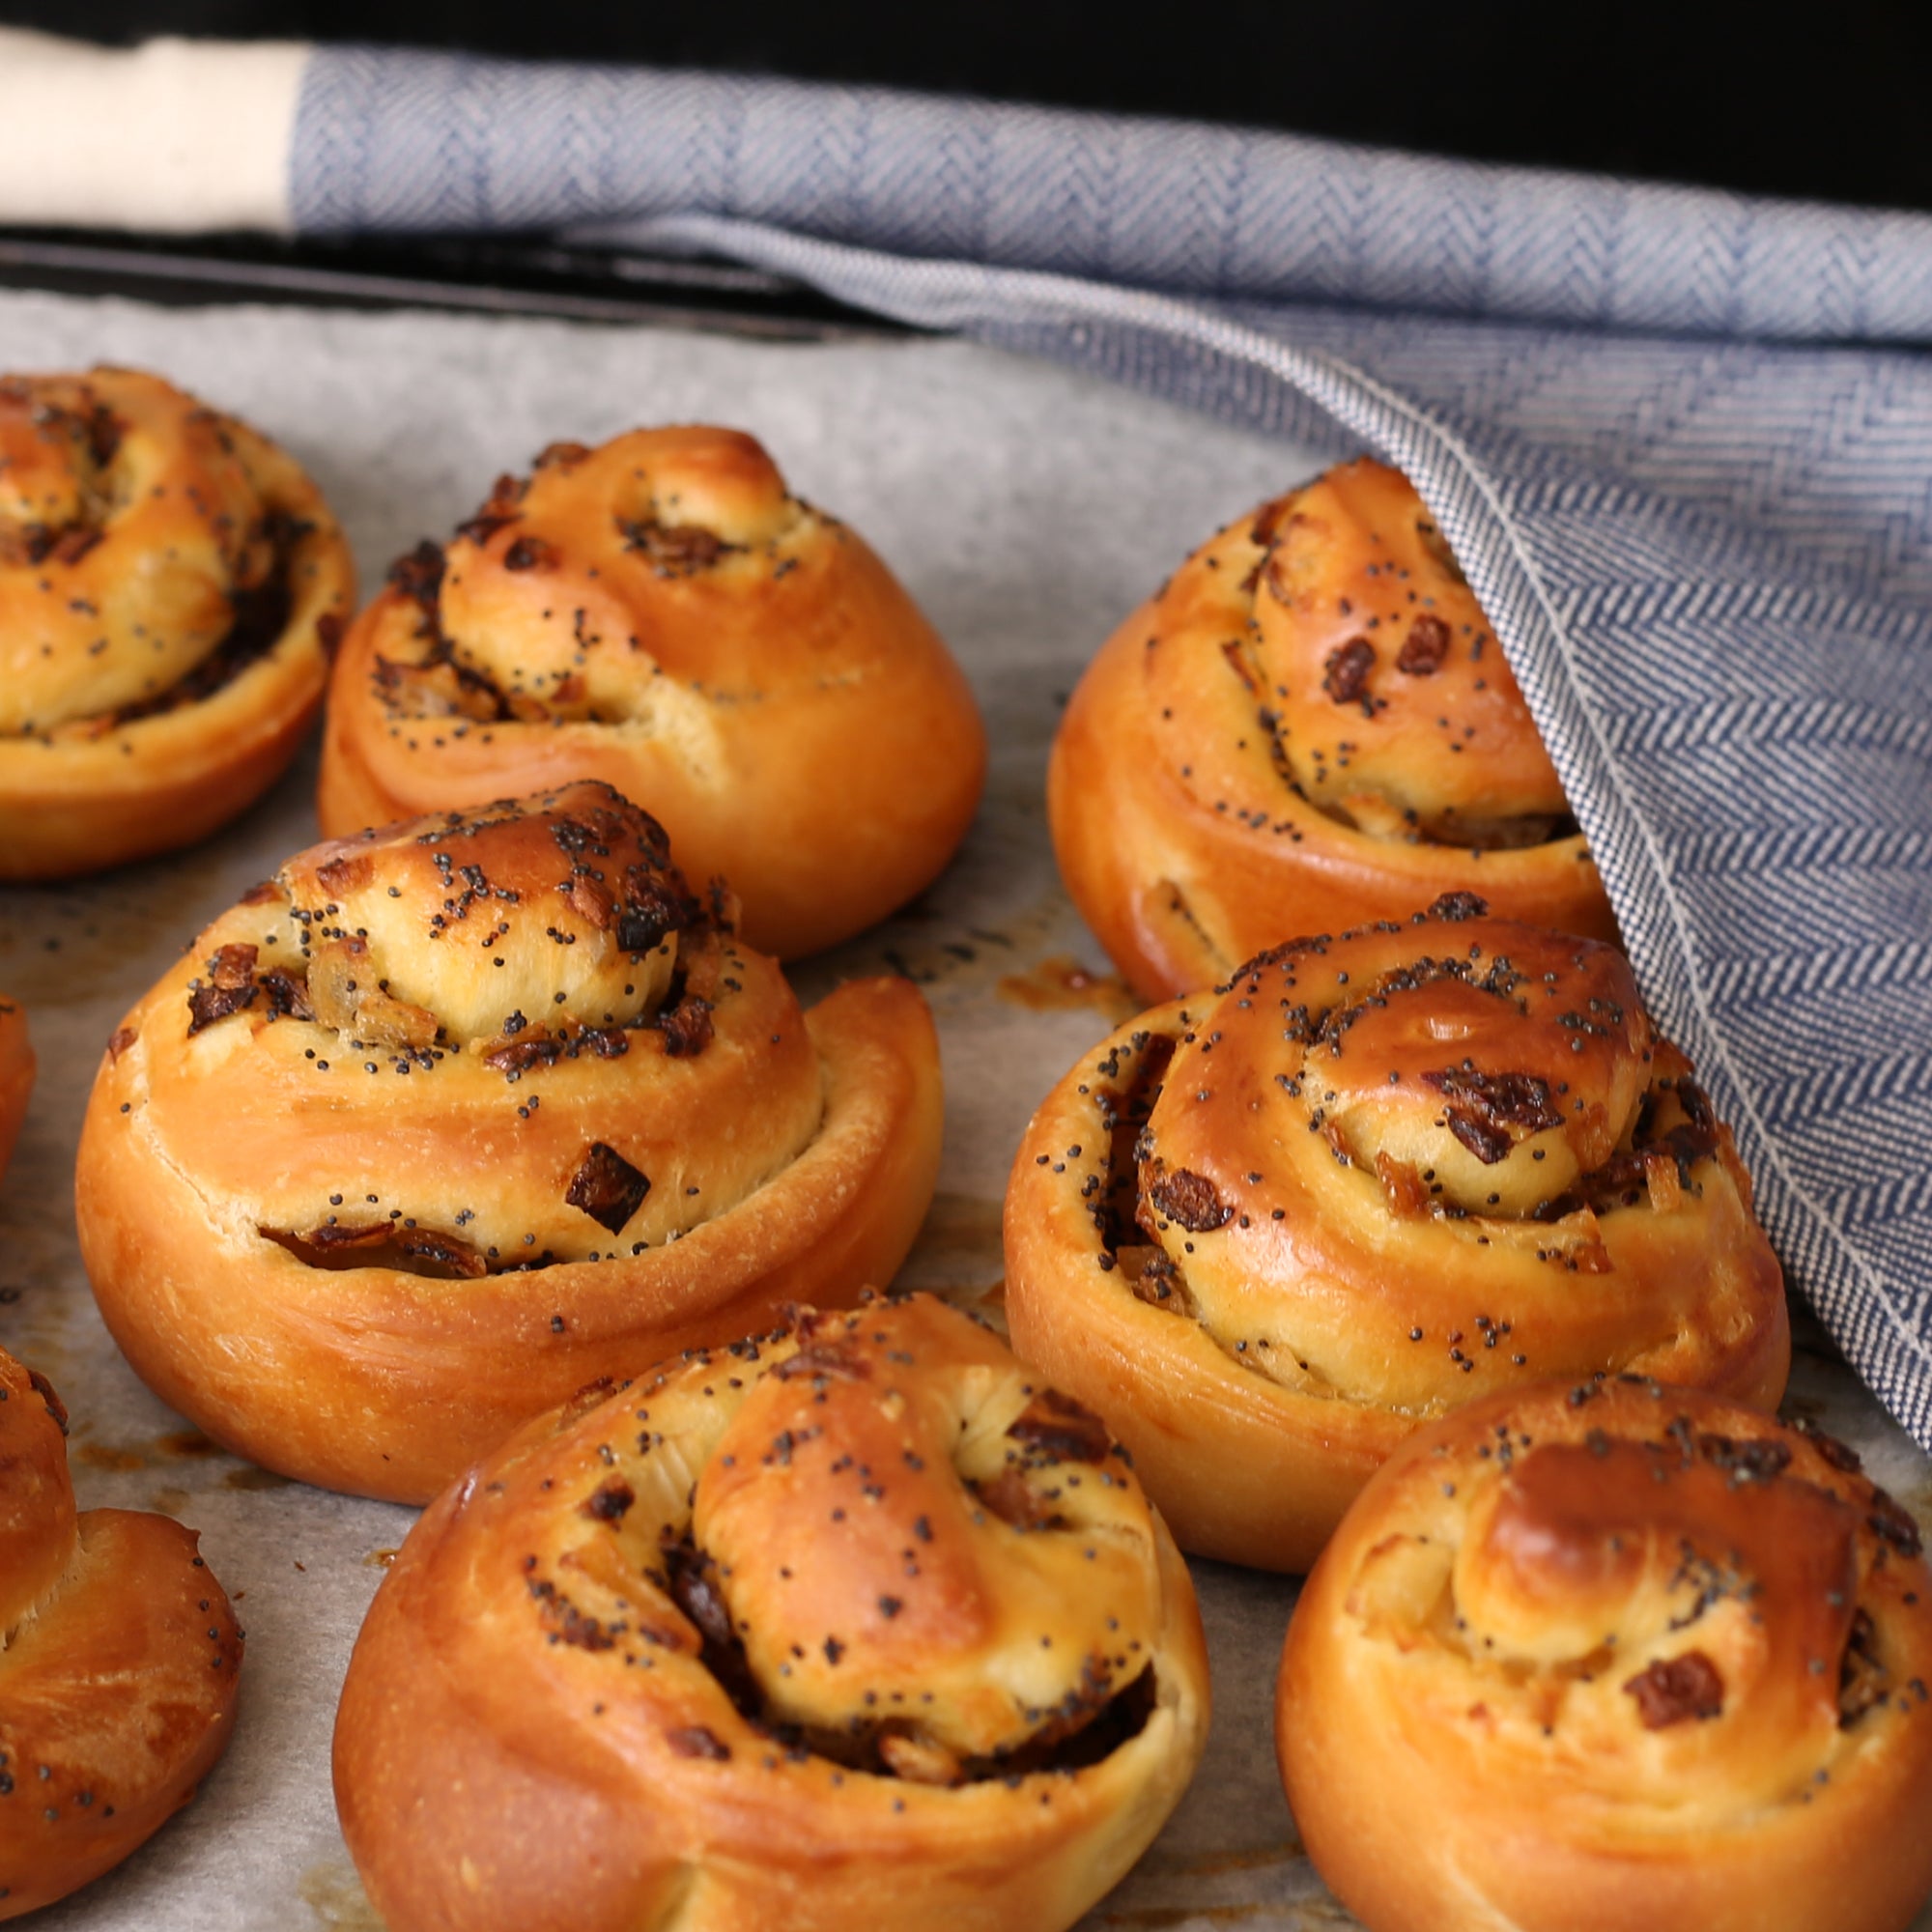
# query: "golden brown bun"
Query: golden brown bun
170,585
447,1120
16,1076
1311,726
660,614
1616,1659
852,1625
119,1658
1268,1231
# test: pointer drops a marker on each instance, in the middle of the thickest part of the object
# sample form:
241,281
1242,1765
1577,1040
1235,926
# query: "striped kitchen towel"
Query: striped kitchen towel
1686,475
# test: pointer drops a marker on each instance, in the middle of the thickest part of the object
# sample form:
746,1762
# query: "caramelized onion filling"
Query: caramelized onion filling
385,1245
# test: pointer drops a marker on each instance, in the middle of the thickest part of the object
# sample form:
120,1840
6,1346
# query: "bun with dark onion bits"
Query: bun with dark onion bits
16,1076
1311,725
446,1119
1268,1230
858,1624
1611,1657
118,1671
171,584
660,612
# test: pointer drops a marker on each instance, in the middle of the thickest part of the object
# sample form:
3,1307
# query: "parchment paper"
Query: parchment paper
1028,509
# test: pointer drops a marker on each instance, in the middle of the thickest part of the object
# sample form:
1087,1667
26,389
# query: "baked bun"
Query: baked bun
853,1625
119,1658
1616,1658
16,1076
1311,725
170,585
660,614
448,1118
1268,1231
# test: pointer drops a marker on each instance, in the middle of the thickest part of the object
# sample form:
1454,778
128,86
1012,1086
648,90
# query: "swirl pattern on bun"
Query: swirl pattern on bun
171,584
1312,724
1610,1656
853,1624
1268,1230
660,612
447,1120
118,1659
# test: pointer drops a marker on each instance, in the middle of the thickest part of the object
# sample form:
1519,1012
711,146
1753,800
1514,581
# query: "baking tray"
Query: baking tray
1029,509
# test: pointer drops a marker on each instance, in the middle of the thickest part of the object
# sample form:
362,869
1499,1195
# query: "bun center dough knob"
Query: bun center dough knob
890,1541
1501,1079
1372,654
932,1527
131,524
562,914
451,962
1610,1542
671,519
55,441
1468,1079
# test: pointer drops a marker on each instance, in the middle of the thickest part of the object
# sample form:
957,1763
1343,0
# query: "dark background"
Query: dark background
1837,105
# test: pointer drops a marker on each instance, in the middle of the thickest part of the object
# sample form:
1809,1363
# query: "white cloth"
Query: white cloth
172,137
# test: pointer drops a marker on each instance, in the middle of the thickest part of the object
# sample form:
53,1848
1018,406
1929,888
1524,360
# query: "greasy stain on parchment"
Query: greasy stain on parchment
334,1894
1061,983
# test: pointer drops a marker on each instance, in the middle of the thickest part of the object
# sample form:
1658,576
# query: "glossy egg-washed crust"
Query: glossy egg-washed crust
1310,726
1616,1658
1268,1230
661,613
446,1121
119,1658
857,1624
16,1075
171,584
